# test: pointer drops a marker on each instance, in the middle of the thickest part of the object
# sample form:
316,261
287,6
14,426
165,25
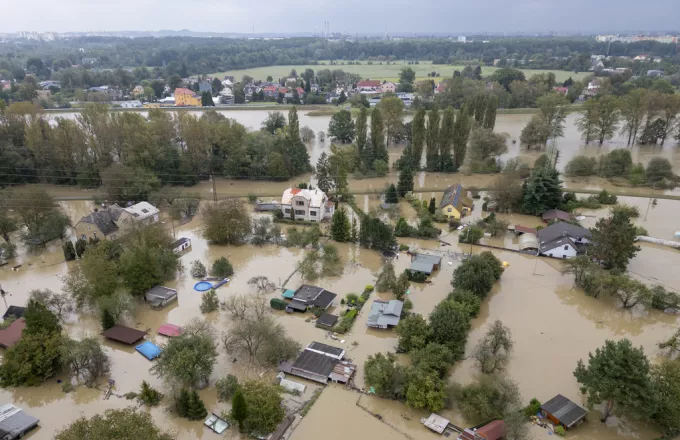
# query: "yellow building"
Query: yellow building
455,202
186,98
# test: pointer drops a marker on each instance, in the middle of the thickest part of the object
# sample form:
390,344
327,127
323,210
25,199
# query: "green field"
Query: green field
382,71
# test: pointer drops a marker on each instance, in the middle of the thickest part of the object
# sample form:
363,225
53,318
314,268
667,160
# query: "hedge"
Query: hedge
347,321
278,304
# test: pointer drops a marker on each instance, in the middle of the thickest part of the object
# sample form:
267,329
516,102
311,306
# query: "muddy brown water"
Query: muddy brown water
553,325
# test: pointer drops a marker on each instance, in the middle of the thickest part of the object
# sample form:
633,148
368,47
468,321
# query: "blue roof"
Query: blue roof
288,293
149,350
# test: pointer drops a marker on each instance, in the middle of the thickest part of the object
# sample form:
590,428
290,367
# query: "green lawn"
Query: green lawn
382,71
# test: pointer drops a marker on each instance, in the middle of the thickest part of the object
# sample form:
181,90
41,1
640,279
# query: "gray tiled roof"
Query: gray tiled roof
562,229
564,410
105,219
385,313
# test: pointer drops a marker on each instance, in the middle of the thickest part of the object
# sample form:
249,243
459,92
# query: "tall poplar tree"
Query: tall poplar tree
378,137
490,112
361,130
432,140
446,141
461,134
418,136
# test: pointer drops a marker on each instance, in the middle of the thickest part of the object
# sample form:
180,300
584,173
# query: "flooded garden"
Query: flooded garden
553,323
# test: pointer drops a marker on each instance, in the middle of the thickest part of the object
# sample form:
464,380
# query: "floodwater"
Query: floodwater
553,325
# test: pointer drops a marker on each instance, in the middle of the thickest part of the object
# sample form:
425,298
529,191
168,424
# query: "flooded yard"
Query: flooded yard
553,325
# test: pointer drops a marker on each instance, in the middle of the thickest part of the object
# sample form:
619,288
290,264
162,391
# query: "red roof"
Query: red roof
170,330
12,334
525,230
300,91
283,90
553,214
369,83
183,91
294,191
493,430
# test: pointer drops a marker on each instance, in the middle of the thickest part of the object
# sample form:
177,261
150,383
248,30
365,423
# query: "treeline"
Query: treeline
180,55
133,155
434,344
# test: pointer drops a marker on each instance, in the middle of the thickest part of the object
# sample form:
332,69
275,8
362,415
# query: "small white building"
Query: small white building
143,212
310,205
180,245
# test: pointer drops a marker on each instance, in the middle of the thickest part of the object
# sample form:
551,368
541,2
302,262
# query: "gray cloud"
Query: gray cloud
362,16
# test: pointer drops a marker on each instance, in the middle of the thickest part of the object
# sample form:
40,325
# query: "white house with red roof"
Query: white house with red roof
369,85
310,205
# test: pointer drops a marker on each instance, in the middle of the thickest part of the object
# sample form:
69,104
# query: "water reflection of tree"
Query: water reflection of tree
605,313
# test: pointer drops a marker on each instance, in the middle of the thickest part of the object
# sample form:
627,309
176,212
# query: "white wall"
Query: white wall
561,252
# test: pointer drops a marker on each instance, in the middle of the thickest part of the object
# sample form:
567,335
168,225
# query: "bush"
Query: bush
416,277
468,298
226,388
148,395
471,235
581,166
403,248
605,198
532,408
209,301
639,230
347,321
222,268
278,304
369,288
198,269
352,298
559,430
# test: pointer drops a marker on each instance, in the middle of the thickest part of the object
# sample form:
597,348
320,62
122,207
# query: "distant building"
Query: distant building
425,263
555,214
462,39
308,204
388,87
562,240
180,245
655,73
385,314
160,296
307,296
143,212
321,363
372,85
114,221
127,104
204,86
186,98
455,202
562,411
14,422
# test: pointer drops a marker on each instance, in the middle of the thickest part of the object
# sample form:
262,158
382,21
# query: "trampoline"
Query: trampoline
202,286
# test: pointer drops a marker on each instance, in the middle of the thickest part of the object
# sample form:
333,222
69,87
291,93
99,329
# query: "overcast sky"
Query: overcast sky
350,16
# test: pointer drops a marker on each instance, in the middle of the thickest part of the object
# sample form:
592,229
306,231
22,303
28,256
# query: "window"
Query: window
299,212
564,256
566,247
300,203
287,211
83,237
145,211
450,210
312,213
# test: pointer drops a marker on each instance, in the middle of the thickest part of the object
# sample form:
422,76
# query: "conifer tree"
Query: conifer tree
108,320
378,138
340,227
196,408
239,409
418,137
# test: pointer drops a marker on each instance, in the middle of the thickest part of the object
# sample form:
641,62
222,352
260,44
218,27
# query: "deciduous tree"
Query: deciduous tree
617,374
341,127
114,424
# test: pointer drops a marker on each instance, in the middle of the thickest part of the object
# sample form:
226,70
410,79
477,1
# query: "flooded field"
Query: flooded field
553,325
